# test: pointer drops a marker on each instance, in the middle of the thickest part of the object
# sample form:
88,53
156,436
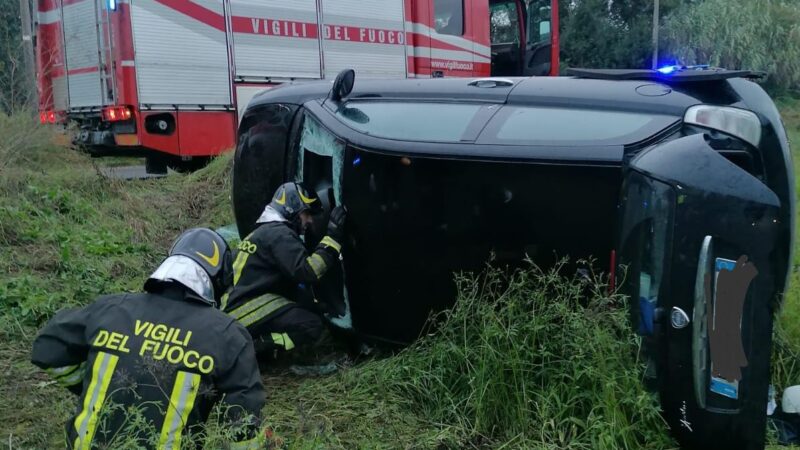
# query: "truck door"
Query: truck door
538,38
698,238
506,31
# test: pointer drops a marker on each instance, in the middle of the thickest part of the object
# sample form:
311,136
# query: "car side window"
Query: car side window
448,17
504,23
320,157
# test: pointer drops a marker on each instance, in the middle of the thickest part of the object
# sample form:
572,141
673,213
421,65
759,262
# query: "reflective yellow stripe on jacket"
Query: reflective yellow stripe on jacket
68,375
86,422
258,308
181,402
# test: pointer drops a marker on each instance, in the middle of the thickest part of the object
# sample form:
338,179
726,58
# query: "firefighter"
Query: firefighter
169,353
272,262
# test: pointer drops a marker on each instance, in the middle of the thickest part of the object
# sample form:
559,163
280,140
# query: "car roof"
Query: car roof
627,95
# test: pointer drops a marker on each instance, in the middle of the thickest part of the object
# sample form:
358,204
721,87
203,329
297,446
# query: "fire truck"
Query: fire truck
171,78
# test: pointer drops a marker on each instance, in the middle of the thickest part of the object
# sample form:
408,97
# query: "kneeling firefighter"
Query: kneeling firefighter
270,264
167,352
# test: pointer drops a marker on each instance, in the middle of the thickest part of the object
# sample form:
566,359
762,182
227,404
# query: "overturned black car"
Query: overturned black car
682,180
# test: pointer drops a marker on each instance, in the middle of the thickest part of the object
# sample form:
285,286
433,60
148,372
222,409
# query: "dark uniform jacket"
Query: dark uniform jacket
269,265
173,358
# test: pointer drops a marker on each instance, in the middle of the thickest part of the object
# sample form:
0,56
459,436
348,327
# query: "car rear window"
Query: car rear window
570,126
425,122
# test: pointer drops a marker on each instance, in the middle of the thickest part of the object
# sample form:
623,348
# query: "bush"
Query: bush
759,35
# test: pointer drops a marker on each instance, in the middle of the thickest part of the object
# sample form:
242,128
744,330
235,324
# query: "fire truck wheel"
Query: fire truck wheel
196,163
156,163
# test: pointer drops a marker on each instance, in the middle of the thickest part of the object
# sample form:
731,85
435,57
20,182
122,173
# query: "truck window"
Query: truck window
448,17
538,22
504,23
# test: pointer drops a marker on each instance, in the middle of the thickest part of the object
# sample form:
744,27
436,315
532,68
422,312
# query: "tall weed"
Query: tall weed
531,359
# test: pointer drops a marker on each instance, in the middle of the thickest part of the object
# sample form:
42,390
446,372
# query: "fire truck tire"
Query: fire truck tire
156,163
196,163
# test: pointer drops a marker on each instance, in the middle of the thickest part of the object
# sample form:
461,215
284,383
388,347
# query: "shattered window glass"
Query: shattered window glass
319,141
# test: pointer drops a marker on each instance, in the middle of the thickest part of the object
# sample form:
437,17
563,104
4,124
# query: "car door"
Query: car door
697,241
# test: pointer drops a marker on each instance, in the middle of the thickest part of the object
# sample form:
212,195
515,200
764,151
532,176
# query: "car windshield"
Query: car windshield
425,122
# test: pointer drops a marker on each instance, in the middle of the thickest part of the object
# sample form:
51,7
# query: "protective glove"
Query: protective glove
336,224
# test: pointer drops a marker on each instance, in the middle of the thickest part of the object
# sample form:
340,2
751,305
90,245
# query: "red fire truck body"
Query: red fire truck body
170,75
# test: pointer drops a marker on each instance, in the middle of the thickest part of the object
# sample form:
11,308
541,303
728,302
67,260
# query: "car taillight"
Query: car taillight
43,117
117,113
741,123
51,116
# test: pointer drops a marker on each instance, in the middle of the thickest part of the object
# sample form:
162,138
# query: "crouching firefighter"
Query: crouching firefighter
168,354
270,264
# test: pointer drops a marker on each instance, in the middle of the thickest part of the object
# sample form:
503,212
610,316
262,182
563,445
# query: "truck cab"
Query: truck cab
521,38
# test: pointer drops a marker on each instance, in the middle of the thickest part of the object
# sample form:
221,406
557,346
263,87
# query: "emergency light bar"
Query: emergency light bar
741,123
117,113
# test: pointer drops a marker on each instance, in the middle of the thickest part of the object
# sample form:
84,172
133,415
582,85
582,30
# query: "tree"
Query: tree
610,34
15,91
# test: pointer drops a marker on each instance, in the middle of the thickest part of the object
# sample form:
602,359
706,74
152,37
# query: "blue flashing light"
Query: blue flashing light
356,161
112,5
666,70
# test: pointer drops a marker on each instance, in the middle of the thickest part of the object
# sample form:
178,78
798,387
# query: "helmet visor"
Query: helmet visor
184,270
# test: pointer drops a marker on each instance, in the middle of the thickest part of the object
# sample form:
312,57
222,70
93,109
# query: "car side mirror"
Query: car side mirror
342,85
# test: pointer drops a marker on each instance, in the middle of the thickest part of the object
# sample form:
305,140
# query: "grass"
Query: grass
68,234
484,379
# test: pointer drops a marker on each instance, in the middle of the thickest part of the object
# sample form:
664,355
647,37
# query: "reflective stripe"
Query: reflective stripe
86,422
181,403
238,265
330,242
224,301
68,375
72,379
251,444
317,264
283,340
264,310
61,371
251,305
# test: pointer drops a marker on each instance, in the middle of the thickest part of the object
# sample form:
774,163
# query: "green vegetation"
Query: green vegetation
748,34
68,234
521,370
761,35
